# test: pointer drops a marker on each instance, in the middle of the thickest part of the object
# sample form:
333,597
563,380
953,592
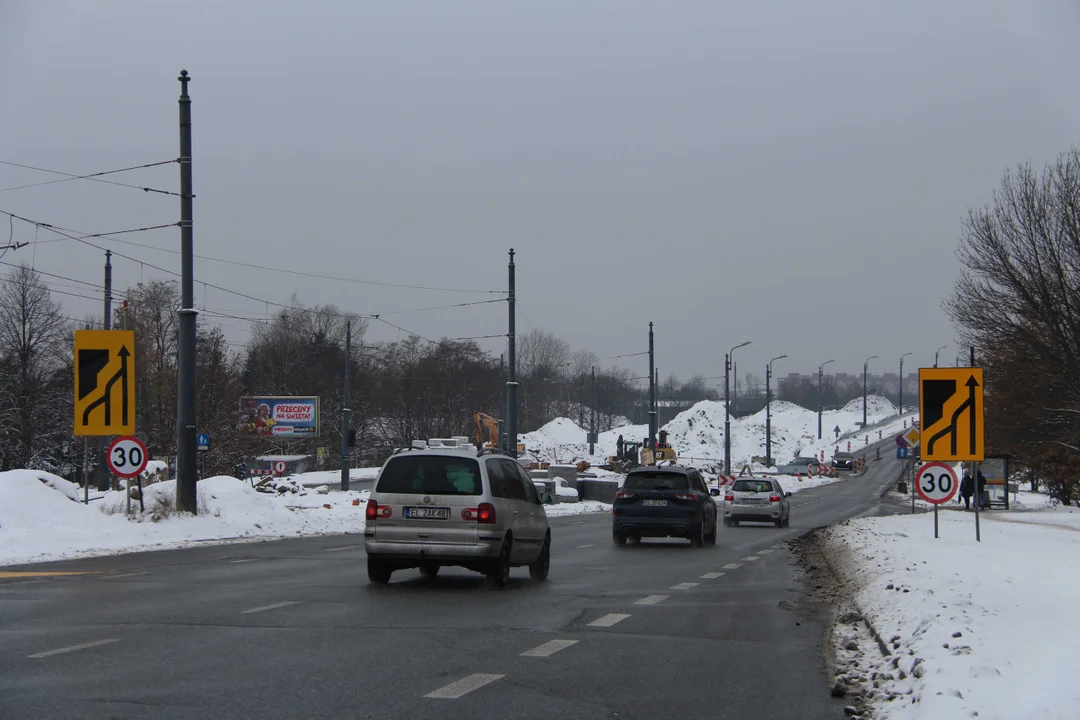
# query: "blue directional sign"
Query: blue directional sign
202,441
903,452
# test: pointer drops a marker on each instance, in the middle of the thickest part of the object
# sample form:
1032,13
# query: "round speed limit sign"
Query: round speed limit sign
127,457
936,483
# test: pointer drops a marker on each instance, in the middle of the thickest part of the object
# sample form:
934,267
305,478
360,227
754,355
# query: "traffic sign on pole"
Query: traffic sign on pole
126,456
104,382
279,467
936,483
202,442
951,414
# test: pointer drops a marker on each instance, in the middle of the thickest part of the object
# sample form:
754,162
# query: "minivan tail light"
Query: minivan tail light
485,514
729,498
384,511
774,498
372,510
686,496
624,494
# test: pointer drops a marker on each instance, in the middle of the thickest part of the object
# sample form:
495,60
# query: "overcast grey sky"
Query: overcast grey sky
789,172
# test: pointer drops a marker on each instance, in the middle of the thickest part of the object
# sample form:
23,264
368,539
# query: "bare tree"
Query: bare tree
542,355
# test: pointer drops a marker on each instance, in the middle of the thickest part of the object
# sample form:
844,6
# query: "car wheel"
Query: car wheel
699,537
787,521
429,570
734,522
499,572
778,522
712,536
377,572
539,569
727,522
618,538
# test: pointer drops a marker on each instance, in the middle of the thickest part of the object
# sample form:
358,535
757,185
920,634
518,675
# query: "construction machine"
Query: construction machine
484,422
664,451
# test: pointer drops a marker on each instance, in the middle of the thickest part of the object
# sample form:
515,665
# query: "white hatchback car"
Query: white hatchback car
757,500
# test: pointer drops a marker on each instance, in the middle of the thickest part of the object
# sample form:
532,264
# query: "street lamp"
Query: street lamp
936,353
768,410
864,368
820,373
902,382
727,406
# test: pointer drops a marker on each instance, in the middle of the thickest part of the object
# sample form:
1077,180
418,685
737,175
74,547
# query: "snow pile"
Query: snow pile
333,477
697,434
985,630
39,523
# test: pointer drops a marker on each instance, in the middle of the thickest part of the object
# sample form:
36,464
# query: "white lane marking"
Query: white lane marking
549,648
242,560
585,546
608,620
73,648
766,551
750,558
684,586
711,576
652,599
778,546
463,686
134,574
275,606
343,547
733,566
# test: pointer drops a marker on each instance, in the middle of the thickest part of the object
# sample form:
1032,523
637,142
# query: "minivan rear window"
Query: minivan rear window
430,475
656,481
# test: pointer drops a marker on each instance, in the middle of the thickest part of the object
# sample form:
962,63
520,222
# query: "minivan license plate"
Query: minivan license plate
654,503
427,513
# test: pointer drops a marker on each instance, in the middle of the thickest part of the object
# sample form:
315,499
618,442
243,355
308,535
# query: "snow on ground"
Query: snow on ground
697,434
40,523
985,630
332,478
584,507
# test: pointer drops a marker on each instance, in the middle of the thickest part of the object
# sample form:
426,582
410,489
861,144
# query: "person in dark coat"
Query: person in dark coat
984,501
966,490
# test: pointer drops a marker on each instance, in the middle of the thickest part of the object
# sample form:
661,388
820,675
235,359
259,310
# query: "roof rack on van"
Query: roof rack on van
492,451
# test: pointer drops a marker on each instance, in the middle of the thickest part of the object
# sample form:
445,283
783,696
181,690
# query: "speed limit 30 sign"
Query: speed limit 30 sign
127,457
936,483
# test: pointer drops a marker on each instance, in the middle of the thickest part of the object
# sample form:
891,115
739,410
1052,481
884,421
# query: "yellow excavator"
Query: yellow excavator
487,425
663,451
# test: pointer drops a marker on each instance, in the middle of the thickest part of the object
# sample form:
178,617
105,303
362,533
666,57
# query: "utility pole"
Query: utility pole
511,382
185,430
346,411
975,472
652,391
102,469
727,406
734,385
768,410
936,354
592,415
902,383
820,397
865,366
502,422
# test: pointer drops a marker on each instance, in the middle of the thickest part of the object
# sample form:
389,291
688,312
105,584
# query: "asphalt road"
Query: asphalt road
292,629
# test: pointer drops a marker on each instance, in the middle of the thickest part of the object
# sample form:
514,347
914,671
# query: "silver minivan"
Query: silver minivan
441,506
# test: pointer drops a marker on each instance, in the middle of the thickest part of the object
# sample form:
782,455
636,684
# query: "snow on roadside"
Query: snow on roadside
584,507
985,630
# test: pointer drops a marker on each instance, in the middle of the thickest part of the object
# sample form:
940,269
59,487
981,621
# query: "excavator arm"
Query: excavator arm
486,423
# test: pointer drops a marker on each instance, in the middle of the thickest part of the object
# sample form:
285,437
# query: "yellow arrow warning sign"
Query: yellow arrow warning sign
951,414
104,382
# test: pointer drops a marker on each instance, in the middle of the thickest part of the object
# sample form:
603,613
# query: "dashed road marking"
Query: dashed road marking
750,558
778,546
73,648
131,574
684,586
766,551
733,566
652,600
275,606
242,560
343,547
711,576
585,546
609,620
549,648
463,686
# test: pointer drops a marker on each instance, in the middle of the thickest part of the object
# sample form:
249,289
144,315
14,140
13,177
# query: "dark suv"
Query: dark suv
669,501
843,461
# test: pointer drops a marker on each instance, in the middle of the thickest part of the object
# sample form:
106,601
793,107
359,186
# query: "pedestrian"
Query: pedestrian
984,499
966,490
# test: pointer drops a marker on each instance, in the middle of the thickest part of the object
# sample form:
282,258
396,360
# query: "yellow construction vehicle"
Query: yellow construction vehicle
664,451
482,422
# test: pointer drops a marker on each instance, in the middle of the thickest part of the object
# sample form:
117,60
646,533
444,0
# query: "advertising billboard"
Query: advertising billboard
280,416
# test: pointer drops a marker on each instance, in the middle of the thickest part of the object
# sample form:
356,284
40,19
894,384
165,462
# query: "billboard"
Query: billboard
280,416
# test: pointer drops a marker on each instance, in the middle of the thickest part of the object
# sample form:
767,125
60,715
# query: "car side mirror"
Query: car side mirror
714,492
787,494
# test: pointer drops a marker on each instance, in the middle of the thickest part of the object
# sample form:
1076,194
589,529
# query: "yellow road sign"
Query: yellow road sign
104,382
912,436
951,414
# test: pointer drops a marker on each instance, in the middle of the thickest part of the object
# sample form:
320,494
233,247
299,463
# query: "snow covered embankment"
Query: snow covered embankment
987,630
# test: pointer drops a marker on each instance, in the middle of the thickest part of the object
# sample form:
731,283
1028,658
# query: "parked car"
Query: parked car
757,500
843,461
798,466
439,506
668,501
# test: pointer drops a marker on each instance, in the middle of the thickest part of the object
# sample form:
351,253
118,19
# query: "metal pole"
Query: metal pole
902,382
768,413
727,415
865,368
346,411
103,467
511,382
820,400
86,472
652,391
592,415
975,475
935,522
185,430
735,385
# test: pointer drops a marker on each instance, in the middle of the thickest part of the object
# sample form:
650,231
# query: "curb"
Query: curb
882,646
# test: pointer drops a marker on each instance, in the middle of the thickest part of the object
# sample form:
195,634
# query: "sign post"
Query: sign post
936,483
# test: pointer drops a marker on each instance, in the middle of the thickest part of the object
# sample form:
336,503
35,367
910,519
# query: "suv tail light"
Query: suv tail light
729,498
686,496
624,494
372,510
485,514
774,498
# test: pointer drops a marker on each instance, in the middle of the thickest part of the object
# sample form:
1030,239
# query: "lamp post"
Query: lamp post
768,409
865,366
902,382
820,406
727,406
936,353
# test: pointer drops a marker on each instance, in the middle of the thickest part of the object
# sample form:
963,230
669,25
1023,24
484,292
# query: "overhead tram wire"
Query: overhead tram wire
94,177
